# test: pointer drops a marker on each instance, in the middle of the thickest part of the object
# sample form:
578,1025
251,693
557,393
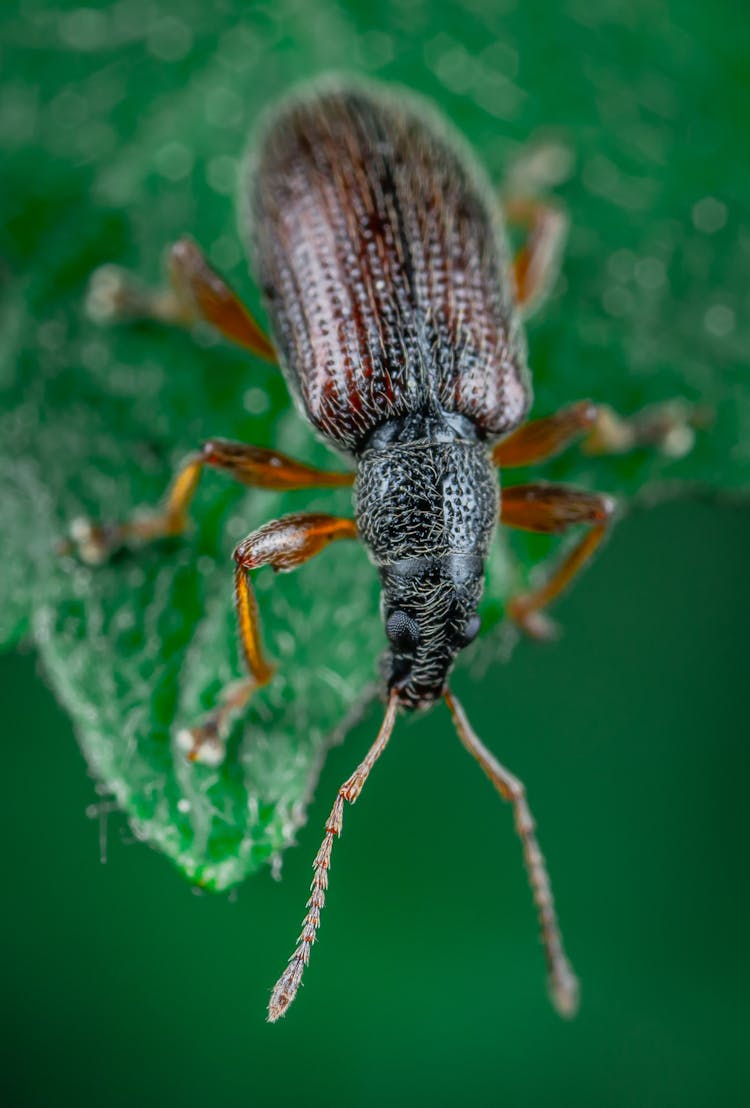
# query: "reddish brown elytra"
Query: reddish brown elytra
396,316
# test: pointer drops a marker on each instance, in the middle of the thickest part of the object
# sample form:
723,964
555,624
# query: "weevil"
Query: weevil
396,314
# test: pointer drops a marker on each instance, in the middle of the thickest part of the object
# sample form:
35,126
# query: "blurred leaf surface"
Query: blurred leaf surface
123,128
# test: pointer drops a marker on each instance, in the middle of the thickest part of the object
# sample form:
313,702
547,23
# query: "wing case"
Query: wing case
384,265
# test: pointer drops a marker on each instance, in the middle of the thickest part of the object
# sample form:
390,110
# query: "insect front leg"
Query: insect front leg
195,291
282,544
252,465
552,509
668,427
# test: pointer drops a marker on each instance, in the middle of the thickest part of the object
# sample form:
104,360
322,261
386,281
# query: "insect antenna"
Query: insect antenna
286,987
563,984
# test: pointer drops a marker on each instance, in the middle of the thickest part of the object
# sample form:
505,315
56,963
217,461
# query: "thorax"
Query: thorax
426,489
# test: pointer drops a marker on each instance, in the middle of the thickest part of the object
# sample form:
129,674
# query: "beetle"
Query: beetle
396,313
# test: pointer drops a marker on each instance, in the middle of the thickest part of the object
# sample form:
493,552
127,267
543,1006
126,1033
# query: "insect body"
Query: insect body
382,264
395,309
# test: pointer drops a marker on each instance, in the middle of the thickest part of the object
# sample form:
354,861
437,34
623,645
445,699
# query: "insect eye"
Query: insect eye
402,631
470,630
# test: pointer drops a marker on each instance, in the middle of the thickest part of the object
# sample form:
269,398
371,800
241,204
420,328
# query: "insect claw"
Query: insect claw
206,743
669,427
201,745
113,295
90,541
537,625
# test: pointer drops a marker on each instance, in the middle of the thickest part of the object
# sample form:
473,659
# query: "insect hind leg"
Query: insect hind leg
537,263
194,292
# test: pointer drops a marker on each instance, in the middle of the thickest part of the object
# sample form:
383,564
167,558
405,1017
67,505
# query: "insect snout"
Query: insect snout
430,615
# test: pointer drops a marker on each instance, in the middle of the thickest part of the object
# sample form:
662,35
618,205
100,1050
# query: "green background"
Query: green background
122,985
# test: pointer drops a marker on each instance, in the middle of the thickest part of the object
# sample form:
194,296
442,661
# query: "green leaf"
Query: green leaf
137,123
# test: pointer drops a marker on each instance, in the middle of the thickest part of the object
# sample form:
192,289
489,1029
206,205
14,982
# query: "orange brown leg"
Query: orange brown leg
668,426
252,465
538,261
563,984
282,544
195,292
541,439
552,509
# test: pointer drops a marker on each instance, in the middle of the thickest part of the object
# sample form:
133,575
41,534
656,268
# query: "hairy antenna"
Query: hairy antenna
286,987
563,984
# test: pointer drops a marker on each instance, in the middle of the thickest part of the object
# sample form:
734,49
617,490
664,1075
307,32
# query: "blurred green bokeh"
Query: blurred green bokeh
123,987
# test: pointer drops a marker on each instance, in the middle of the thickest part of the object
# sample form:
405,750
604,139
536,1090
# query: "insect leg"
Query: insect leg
195,291
563,984
286,987
541,439
252,465
282,544
536,264
552,509
669,427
